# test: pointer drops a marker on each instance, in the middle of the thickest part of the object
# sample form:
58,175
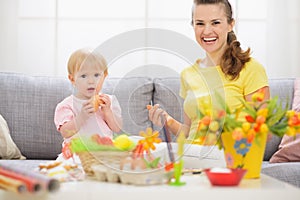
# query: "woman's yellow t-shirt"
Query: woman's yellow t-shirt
200,85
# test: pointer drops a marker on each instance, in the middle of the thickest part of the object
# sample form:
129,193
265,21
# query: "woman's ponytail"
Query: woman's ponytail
234,58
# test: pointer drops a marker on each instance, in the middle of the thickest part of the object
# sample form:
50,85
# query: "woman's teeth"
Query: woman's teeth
209,39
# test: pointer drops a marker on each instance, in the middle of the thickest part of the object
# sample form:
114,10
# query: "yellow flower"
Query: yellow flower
264,128
214,126
290,113
246,126
150,137
263,112
291,131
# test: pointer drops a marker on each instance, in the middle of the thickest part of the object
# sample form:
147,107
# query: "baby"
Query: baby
87,111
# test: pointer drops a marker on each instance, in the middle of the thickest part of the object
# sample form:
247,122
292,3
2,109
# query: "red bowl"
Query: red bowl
231,178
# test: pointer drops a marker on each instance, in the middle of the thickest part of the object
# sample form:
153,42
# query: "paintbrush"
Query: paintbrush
167,138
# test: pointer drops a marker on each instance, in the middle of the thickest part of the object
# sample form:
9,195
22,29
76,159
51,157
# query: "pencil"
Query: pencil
12,184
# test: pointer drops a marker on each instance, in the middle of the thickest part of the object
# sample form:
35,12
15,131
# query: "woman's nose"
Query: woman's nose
207,29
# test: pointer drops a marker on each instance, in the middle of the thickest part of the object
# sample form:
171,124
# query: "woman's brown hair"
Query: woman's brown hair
234,58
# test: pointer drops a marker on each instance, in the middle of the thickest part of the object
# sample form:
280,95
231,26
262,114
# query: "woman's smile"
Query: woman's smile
209,40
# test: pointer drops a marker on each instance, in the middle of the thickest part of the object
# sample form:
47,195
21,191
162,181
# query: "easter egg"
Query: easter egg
96,102
123,142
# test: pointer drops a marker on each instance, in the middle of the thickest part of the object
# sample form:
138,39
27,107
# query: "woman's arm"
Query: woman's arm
176,127
265,90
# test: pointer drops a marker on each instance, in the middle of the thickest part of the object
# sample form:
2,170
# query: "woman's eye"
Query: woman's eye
83,76
216,22
199,24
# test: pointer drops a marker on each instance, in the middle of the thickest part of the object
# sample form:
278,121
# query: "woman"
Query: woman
226,69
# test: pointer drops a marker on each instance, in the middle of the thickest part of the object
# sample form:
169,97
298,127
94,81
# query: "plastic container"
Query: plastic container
226,177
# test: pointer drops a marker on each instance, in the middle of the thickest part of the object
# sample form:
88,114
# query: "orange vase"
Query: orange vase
240,154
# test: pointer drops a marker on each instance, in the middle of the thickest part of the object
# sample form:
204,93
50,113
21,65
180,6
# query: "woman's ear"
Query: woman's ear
231,25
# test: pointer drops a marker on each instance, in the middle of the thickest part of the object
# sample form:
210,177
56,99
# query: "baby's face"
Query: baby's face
88,81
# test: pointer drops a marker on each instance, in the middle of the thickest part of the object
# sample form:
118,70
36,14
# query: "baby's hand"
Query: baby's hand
87,110
104,102
96,101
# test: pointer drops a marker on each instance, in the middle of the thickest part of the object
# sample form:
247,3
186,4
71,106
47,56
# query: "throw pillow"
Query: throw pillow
296,100
289,148
8,149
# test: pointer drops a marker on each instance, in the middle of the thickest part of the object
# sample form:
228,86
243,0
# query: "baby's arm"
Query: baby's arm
113,121
70,128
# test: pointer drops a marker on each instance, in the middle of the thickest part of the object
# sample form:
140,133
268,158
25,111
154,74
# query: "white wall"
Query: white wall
37,36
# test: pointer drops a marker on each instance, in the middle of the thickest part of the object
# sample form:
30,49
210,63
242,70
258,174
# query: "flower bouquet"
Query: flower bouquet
243,133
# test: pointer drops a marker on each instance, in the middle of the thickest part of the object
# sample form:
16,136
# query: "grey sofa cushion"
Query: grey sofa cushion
287,172
283,88
133,94
28,104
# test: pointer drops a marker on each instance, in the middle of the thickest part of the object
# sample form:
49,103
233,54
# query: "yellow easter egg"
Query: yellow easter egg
123,142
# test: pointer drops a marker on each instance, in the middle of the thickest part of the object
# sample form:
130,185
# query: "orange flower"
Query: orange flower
237,134
251,135
150,137
249,118
260,119
206,120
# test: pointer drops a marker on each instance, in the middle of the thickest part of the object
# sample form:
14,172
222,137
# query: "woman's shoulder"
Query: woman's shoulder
191,68
253,64
253,67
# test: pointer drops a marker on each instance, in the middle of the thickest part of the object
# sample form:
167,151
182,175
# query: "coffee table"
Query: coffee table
197,187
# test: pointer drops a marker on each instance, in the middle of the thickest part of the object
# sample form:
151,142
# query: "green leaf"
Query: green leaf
278,113
148,164
279,129
250,110
155,162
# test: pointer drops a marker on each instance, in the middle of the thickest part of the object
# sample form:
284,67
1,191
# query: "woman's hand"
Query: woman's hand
174,126
155,114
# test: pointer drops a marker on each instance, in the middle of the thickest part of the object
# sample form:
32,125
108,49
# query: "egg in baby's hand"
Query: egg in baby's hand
96,102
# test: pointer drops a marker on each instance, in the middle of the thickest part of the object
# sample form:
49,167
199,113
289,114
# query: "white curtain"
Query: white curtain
283,42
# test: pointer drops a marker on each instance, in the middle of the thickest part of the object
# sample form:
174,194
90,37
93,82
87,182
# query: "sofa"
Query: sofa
27,103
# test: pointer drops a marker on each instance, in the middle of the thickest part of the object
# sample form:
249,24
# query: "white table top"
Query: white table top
197,187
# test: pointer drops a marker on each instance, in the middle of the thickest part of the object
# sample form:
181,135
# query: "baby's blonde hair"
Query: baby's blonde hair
80,56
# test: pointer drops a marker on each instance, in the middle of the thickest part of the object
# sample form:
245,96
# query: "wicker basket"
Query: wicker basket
110,159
